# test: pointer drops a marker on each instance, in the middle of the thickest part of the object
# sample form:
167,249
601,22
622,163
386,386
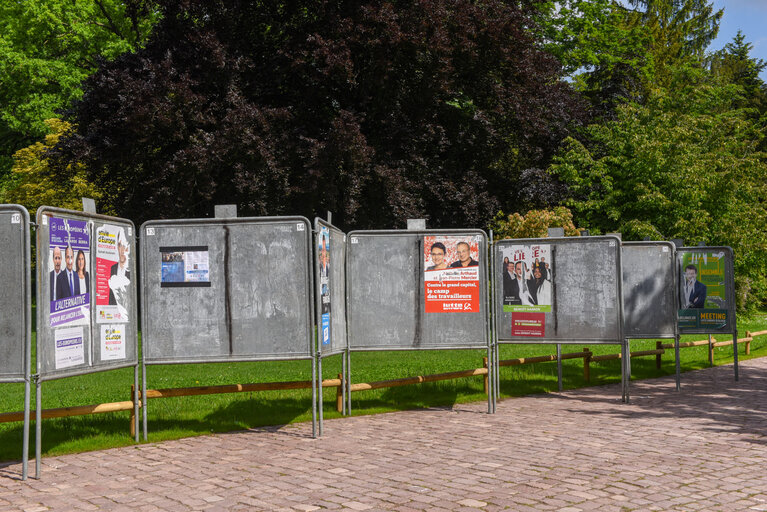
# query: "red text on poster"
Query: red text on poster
528,324
451,274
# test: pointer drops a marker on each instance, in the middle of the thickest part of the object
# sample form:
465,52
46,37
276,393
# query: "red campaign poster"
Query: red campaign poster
451,274
528,324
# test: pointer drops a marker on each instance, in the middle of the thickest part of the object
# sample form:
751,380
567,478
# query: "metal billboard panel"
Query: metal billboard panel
386,307
226,289
649,290
334,281
90,324
582,302
15,338
707,300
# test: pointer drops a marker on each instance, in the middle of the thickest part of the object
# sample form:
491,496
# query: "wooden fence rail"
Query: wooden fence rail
586,354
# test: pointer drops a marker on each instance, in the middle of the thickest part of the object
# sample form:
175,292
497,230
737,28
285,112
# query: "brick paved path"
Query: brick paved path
704,448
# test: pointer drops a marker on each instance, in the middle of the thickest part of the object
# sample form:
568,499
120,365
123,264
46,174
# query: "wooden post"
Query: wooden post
339,394
586,364
658,346
711,350
748,342
487,376
133,412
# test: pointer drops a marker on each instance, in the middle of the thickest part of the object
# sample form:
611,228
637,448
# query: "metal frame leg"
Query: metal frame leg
490,383
144,403
320,390
25,446
314,397
38,426
343,384
627,370
678,364
135,403
349,382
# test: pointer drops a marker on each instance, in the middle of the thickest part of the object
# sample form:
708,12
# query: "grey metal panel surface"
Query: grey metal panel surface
94,359
257,306
15,300
385,295
727,302
337,283
587,299
649,289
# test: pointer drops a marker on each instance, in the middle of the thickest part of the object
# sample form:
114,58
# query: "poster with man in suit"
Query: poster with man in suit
113,274
702,289
323,253
528,287
451,274
69,284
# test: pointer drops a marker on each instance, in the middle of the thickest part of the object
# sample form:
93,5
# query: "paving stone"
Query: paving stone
699,449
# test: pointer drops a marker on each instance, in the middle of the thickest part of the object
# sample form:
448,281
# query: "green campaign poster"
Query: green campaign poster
703,290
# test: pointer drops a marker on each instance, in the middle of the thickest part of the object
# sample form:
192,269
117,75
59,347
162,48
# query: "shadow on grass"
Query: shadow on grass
414,396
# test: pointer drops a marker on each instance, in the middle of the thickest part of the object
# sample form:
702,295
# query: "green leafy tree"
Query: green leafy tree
534,224
47,48
734,64
685,165
32,185
680,31
378,111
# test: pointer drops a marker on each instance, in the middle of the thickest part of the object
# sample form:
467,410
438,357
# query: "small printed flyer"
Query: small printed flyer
112,342
528,324
528,287
184,267
323,252
69,347
702,290
451,274
69,276
113,274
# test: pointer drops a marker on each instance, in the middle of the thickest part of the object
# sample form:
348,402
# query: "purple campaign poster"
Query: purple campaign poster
69,273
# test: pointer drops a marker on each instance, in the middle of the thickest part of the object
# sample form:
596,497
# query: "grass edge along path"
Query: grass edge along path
175,418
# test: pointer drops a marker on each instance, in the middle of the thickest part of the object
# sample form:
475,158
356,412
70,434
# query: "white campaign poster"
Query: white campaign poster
113,274
112,342
69,347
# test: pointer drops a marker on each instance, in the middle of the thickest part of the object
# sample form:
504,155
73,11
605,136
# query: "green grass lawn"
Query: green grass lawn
173,418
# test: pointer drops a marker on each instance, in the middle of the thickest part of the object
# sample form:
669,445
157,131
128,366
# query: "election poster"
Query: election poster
184,267
451,274
528,287
69,275
112,342
113,274
69,347
702,290
323,252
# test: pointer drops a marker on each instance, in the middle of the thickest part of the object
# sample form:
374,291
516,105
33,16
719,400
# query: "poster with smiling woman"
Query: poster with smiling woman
451,274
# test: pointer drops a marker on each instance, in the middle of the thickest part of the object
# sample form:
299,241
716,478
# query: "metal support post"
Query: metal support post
320,397
144,403
678,365
38,425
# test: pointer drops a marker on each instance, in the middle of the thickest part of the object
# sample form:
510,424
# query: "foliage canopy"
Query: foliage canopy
376,111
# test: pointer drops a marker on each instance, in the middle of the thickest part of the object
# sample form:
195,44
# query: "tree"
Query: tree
47,47
685,165
680,31
31,184
534,224
376,111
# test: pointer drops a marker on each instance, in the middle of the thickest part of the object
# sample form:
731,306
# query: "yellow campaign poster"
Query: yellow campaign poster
703,290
